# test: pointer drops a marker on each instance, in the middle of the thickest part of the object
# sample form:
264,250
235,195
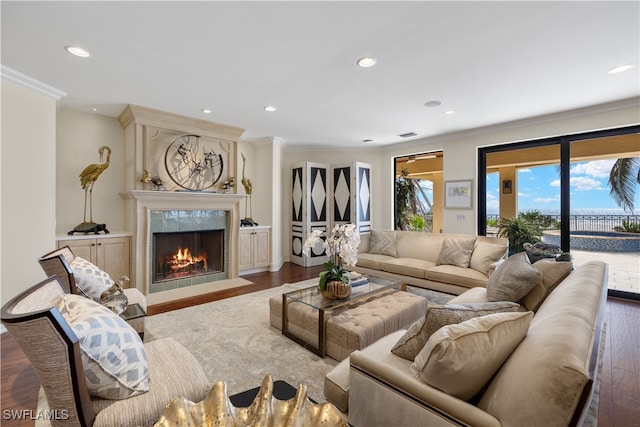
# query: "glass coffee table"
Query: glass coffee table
312,297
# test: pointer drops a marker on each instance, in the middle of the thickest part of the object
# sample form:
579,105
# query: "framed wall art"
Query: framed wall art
507,187
457,194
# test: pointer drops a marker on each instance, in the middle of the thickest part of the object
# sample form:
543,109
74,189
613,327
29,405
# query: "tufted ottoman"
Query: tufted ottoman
354,326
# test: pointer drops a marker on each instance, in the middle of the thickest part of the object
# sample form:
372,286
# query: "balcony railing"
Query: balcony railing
588,222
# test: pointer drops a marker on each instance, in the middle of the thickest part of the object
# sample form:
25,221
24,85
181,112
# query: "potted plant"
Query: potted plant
519,231
342,248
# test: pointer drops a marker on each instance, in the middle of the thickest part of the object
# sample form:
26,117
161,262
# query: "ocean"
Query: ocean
596,211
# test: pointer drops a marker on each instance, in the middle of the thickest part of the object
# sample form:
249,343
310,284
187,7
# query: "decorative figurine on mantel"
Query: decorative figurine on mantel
158,184
248,188
88,178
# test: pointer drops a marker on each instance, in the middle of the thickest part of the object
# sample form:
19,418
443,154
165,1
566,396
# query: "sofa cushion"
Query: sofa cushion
113,356
336,385
460,359
438,316
473,295
556,351
456,251
90,279
485,254
418,245
383,242
552,273
457,275
407,266
374,261
513,279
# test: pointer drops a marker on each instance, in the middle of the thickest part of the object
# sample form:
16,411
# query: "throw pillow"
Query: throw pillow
485,254
456,251
113,356
383,242
90,279
461,359
410,344
552,274
513,279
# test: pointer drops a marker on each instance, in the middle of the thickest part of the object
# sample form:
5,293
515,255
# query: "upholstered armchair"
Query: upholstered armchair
60,262
56,348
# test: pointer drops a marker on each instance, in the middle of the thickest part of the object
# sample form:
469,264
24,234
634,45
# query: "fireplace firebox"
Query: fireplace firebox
182,254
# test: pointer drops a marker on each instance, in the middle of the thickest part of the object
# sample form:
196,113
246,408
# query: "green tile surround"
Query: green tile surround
188,220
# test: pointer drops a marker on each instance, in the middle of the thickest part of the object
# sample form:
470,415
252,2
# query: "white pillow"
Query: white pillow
414,340
513,279
114,359
456,251
90,279
383,242
484,254
460,359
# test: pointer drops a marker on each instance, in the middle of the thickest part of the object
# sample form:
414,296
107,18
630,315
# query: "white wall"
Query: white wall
269,163
460,150
27,186
79,136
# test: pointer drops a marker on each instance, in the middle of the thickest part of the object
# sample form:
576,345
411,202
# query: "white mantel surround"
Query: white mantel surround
140,203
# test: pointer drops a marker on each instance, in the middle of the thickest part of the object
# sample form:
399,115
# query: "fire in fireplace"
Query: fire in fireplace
182,254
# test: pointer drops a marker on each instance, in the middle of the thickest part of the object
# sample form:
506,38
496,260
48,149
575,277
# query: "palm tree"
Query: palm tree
623,179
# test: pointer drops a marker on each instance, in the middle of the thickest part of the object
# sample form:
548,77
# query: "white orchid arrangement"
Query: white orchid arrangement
342,248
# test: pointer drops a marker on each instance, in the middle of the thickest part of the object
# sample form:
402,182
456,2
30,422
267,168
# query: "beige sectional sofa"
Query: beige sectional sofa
546,380
450,263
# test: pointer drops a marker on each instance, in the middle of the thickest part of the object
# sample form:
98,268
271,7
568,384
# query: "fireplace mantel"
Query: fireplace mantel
140,203
196,197
148,135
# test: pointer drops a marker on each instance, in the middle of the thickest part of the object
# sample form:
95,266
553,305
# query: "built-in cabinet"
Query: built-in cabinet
255,247
112,253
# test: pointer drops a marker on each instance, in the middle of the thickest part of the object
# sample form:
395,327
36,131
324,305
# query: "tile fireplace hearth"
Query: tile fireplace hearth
151,213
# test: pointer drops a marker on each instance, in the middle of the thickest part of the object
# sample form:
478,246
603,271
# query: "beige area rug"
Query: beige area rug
234,342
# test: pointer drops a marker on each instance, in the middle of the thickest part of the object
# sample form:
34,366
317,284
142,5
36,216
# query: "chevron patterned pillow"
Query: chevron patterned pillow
90,279
115,363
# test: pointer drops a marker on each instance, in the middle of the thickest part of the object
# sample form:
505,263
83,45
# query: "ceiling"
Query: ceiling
491,62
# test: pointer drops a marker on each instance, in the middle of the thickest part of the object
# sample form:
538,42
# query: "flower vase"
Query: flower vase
336,289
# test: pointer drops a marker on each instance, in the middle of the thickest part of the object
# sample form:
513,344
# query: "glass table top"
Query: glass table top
312,297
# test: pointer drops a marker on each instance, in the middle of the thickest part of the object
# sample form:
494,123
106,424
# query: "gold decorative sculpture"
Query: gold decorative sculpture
248,188
146,177
217,410
88,178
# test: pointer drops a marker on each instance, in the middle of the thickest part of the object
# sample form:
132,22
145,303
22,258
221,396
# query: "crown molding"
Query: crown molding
31,83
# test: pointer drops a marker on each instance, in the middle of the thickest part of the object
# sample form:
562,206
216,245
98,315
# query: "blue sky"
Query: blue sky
539,188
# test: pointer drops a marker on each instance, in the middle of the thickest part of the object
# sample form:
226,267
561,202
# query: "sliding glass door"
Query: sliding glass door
564,192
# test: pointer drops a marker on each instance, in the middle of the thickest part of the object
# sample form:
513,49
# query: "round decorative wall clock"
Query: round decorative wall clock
192,163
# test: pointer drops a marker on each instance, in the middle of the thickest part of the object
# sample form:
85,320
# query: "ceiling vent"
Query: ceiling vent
408,134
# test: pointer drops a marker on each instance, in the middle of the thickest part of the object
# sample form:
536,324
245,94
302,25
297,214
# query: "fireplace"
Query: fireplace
186,254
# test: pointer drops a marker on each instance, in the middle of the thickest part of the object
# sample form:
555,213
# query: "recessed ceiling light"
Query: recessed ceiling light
621,69
206,111
367,61
447,113
434,103
367,140
94,109
77,51
270,108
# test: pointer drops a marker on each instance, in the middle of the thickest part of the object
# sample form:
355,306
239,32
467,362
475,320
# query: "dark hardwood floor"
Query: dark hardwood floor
619,389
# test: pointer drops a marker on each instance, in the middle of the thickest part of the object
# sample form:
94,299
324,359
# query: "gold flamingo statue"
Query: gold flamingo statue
88,178
248,188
